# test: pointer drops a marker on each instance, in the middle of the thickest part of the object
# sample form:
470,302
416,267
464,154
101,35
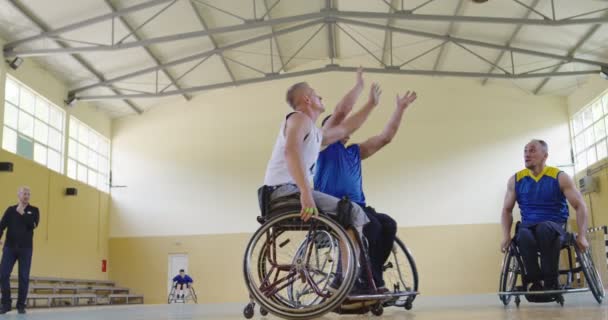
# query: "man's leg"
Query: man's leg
389,233
373,233
6,267
548,236
528,248
25,262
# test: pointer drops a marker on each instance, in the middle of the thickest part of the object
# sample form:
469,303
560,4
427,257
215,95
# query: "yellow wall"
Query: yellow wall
445,265
72,238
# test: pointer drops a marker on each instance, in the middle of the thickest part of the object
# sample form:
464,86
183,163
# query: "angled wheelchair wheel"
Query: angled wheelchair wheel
193,295
400,273
511,270
591,275
289,266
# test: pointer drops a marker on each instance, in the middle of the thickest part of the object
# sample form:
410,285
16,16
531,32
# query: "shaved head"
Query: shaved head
295,92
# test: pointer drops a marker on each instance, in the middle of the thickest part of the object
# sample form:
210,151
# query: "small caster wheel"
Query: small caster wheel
377,310
408,305
517,301
248,311
263,312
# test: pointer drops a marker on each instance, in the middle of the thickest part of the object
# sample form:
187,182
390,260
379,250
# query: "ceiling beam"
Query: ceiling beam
514,35
203,23
10,49
198,56
147,49
275,38
331,33
387,46
444,47
42,26
84,23
472,42
331,68
571,53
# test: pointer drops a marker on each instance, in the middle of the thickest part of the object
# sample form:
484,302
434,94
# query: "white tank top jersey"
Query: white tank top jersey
277,172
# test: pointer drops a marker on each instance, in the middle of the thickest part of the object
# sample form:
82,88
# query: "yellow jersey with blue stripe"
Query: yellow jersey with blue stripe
539,197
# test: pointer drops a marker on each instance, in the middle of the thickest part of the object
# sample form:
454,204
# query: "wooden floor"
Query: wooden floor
483,307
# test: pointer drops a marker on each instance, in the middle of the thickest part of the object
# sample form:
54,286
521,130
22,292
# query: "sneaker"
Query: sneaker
536,286
540,297
4,310
21,311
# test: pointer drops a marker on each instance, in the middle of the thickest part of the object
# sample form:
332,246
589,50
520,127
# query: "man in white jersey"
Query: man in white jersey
291,166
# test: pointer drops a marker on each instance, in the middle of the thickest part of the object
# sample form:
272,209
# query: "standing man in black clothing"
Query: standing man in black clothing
20,220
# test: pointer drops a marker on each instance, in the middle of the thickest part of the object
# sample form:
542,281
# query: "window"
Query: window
88,156
33,127
590,133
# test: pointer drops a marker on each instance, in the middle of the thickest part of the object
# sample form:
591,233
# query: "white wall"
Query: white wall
193,168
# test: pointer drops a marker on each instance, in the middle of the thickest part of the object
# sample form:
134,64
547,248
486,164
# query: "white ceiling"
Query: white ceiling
254,60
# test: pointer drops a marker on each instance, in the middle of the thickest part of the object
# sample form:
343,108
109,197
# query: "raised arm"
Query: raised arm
354,122
575,198
345,106
375,143
507,214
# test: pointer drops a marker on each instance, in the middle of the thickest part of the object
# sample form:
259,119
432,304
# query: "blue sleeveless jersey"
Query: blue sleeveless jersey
540,198
338,172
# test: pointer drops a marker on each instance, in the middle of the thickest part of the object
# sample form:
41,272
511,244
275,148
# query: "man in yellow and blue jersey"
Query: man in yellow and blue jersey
542,193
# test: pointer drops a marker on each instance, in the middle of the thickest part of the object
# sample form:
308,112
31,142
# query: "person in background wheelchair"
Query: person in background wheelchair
542,193
179,281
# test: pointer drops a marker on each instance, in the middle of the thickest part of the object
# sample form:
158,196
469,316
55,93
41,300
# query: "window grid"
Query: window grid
88,156
33,127
589,131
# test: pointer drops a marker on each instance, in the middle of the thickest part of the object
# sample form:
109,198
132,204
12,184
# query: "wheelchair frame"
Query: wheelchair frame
289,208
513,268
172,298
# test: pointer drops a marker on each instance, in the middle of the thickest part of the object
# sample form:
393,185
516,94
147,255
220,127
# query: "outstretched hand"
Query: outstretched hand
359,78
406,100
374,94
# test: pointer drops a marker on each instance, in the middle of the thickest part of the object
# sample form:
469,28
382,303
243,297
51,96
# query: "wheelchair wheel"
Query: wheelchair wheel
289,266
508,276
400,273
193,295
591,275
170,297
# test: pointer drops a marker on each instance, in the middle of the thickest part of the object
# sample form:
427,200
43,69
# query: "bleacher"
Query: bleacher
60,292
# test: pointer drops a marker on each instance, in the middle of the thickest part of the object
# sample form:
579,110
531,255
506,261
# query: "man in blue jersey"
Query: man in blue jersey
338,173
179,281
542,194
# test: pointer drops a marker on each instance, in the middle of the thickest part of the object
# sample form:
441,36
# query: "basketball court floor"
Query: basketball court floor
577,306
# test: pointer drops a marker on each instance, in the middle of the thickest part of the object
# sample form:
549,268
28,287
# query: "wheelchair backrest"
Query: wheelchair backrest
276,206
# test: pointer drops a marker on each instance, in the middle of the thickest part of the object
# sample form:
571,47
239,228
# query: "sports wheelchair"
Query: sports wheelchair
303,270
175,298
513,270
